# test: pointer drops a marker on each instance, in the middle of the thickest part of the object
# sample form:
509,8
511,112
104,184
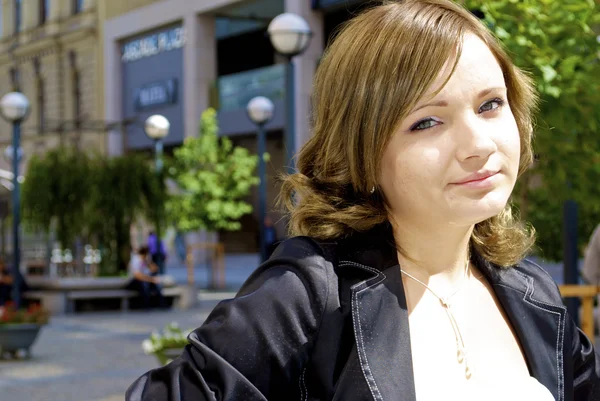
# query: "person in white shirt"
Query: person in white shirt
144,277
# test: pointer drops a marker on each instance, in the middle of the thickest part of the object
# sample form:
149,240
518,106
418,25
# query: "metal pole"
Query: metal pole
158,148
290,118
570,255
262,196
16,272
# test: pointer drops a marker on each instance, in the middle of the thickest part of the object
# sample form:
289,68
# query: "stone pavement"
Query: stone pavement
92,356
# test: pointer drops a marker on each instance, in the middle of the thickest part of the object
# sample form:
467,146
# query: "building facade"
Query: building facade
49,50
179,57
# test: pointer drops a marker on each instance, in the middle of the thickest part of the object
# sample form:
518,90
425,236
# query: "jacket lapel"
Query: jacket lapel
531,313
381,331
380,317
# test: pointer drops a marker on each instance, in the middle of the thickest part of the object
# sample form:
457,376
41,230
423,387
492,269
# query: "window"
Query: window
41,105
77,6
44,10
76,97
40,95
15,79
17,16
75,87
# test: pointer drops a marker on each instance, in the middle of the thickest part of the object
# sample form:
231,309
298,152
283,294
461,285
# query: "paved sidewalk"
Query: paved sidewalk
238,268
92,356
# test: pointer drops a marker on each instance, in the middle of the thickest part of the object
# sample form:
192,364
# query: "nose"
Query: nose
474,141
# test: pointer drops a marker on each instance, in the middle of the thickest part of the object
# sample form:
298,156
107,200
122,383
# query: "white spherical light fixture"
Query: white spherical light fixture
289,34
260,110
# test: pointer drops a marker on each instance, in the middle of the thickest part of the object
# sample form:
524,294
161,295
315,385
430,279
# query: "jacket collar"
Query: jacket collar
383,339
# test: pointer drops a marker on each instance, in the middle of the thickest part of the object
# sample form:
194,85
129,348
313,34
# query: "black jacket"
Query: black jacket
328,321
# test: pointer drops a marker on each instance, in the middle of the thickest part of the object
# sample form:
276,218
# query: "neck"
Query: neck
435,254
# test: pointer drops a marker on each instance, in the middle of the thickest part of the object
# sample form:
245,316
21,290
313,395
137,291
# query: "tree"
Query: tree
95,197
555,43
213,177
124,188
55,192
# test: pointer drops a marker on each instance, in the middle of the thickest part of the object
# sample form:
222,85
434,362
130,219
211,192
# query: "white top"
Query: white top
137,264
527,389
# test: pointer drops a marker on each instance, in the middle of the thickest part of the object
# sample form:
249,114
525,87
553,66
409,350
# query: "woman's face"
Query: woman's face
455,157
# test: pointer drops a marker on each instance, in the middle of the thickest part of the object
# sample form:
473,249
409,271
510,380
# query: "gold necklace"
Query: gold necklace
461,354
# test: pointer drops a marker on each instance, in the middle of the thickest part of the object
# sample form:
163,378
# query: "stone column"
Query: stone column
54,12
7,18
199,72
199,68
305,67
89,4
29,15
112,94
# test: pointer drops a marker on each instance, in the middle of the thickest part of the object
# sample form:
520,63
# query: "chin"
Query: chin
476,211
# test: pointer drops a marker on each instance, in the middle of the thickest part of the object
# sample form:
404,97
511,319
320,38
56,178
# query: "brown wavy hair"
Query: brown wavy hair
380,64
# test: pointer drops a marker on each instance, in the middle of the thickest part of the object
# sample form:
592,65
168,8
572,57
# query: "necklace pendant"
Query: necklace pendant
467,372
460,355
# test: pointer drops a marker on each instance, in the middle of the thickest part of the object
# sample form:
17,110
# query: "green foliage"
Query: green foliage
124,188
171,338
213,178
55,193
93,197
554,42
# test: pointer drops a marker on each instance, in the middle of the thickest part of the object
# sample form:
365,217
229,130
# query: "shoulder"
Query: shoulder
539,282
302,260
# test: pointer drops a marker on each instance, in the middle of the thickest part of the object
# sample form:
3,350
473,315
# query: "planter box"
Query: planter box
15,337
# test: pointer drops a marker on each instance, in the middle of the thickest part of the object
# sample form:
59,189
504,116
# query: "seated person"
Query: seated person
144,277
6,283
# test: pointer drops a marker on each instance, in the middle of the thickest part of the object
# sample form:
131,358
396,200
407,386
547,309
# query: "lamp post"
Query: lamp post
157,128
290,35
260,111
14,108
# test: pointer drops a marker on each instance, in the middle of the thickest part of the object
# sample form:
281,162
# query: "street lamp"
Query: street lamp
260,111
290,35
157,128
14,108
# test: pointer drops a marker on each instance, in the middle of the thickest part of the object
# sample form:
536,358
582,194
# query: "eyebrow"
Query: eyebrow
443,103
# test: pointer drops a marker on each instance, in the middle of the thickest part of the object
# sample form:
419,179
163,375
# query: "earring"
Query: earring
373,190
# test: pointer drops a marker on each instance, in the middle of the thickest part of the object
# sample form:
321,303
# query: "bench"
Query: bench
59,302
122,294
586,293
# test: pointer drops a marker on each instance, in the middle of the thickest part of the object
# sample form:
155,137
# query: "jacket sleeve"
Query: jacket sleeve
252,347
586,368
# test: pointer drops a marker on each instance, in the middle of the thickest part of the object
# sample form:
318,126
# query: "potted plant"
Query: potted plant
20,327
167,345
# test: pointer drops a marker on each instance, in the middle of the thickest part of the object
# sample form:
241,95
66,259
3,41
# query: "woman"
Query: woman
144,278
406,280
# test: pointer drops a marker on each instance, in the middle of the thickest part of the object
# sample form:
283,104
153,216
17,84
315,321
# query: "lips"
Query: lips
476,177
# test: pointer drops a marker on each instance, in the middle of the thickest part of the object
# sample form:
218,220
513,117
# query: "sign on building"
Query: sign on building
152,44
156,94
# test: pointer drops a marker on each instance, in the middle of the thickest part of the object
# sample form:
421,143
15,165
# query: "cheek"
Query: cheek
405,172
513,142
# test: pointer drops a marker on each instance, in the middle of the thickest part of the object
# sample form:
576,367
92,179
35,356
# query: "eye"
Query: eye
424,124
491,105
